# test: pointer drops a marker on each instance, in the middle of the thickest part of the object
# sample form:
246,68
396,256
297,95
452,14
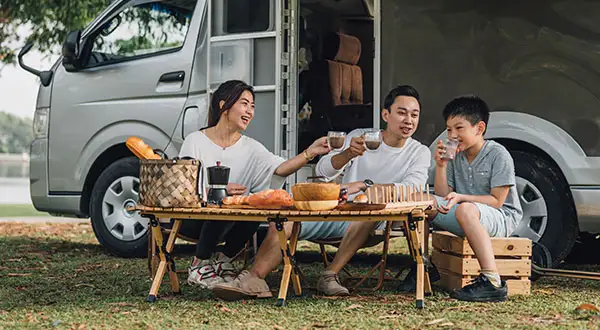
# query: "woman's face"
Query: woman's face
241,113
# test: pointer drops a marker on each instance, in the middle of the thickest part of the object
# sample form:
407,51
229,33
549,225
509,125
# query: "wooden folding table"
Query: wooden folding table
411,213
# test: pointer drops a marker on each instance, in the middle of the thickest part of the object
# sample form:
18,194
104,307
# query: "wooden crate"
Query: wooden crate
457,264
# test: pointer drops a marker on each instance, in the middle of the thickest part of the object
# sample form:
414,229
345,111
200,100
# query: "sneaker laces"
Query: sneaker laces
481,279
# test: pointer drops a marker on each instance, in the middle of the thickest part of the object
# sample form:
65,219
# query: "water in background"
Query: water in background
14,179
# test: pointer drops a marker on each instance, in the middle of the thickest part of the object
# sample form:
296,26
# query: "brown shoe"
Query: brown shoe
329,284
244,286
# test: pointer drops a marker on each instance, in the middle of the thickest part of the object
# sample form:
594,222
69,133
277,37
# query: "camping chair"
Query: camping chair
376,237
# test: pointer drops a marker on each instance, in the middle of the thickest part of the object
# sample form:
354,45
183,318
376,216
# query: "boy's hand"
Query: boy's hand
357,147
235,189
453,199
440,151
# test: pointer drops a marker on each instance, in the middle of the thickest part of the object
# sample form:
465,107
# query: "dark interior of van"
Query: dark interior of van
335,67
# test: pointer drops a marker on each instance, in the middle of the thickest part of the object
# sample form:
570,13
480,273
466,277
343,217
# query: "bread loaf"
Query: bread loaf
271,198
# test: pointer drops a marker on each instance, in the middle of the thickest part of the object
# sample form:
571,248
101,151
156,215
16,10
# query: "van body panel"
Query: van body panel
587,207
117,134
533,57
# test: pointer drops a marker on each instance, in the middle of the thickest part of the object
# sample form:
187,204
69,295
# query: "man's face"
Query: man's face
402,117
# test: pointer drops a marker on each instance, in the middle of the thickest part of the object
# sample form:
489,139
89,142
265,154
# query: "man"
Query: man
399,159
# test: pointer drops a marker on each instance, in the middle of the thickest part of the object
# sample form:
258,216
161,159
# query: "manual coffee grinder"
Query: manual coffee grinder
218,178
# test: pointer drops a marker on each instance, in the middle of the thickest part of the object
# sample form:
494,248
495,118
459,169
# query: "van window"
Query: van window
242,16
147,29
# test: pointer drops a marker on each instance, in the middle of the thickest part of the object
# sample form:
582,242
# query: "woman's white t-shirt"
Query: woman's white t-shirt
250,163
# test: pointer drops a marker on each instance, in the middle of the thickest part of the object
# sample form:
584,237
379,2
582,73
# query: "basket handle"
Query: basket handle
161,153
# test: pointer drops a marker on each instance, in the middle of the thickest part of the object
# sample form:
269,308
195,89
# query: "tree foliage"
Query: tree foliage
50,21
16,134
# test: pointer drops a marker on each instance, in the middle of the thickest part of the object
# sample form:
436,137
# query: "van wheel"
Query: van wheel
548,211
122,232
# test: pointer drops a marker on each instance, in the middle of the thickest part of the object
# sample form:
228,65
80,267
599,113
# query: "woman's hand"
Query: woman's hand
319,147
235,189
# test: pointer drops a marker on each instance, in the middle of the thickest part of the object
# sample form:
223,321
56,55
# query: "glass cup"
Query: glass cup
336,140
372,139
451,147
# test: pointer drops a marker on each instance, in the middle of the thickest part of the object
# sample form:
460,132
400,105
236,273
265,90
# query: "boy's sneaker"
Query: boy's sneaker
329,284
409,284
223,267
204,275
481,290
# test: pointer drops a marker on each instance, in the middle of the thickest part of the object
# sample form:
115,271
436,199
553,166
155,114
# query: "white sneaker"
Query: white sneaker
204,275
223,267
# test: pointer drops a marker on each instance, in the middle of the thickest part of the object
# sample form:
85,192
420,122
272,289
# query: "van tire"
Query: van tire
122,170
561,229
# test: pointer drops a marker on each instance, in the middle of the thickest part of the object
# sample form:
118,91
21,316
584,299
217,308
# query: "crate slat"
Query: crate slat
470,266
452,281
505,246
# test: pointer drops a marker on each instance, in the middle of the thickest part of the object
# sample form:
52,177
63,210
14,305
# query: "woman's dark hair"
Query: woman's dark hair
228,92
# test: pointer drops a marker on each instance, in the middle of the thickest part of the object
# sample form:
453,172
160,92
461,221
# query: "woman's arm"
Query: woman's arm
319,147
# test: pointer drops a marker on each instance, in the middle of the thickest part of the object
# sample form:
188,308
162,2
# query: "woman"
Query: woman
252,169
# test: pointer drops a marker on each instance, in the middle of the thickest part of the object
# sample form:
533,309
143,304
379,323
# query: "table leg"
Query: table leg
415,241
166,262
295,271
288,261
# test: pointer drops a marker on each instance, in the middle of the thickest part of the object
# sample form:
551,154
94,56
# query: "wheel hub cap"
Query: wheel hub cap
123,224
535,211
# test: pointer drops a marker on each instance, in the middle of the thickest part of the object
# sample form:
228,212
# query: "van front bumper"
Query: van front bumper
587,205
43,200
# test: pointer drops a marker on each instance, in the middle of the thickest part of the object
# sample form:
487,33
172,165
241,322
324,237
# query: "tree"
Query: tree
16,134
50,21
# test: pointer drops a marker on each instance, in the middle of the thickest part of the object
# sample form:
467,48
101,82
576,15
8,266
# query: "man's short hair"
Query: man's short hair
470,107
403,90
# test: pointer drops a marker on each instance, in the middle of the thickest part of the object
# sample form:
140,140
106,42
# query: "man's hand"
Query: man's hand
235,189
440,151
357,147
453,199
354,187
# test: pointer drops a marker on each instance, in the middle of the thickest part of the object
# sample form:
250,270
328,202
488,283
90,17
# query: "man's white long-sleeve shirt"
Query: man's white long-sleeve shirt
407,165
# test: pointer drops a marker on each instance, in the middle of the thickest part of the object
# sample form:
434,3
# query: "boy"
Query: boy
479,193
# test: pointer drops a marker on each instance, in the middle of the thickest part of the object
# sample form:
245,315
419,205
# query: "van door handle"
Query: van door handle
172,77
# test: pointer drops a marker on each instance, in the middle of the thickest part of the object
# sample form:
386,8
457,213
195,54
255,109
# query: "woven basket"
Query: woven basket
170,182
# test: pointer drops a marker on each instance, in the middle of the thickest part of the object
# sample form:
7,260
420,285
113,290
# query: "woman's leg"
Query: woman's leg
237,236
211,233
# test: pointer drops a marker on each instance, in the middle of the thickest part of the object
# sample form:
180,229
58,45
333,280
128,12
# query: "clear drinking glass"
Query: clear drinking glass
336,140
451,147
372,139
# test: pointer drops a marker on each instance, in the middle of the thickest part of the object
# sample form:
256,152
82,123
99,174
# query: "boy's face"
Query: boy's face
467,134
402,117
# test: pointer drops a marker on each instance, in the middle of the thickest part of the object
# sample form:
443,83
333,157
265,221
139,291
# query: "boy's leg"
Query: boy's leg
476,222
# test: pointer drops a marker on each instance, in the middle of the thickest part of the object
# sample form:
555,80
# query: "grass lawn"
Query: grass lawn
58,276
19,210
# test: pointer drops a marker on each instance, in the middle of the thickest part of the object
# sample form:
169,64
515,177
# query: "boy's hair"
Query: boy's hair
472,108
403,90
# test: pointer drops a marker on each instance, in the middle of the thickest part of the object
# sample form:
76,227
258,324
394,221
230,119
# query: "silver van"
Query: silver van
148,67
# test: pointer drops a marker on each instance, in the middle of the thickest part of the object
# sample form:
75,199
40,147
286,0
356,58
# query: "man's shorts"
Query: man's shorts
318,230
492,219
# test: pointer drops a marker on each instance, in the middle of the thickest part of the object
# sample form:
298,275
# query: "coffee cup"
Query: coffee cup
451,148
336,139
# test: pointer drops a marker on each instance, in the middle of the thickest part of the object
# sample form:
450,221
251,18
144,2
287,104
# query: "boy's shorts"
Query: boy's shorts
315,230
492,219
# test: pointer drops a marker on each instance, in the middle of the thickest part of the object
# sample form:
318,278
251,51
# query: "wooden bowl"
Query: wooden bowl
315,205
316,191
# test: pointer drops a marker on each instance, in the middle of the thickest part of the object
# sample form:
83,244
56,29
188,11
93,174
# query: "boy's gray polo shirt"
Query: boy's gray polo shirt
492,167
